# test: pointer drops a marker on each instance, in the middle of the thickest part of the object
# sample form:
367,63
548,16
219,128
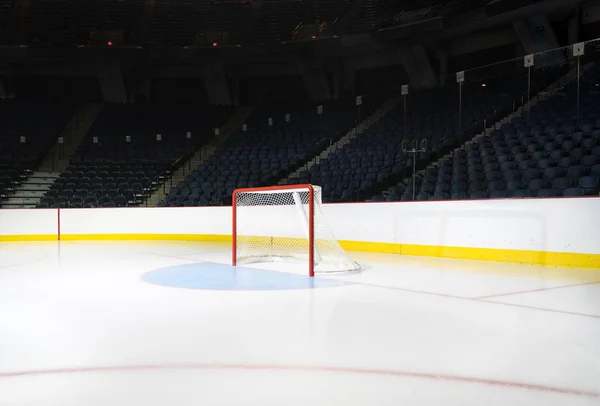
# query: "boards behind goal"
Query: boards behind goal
285,223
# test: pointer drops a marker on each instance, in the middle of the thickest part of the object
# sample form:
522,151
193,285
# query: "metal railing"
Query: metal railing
57,152
165,177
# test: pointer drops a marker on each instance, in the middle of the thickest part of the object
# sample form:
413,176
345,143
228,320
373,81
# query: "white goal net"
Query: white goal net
279,224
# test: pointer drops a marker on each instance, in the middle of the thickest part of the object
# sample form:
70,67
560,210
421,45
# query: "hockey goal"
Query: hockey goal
285,223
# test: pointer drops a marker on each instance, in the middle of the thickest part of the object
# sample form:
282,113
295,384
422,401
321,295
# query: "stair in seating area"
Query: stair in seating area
29,193
35,185
58,157
233,124
347,138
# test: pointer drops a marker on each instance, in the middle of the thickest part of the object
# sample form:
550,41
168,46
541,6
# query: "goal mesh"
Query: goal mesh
273,225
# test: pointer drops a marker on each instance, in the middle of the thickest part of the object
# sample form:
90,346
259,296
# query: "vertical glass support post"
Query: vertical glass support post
578,90
528,62
578,52
460,79
404,93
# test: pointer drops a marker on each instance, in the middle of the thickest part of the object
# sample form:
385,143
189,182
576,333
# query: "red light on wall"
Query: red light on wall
215,44
314,37
109,43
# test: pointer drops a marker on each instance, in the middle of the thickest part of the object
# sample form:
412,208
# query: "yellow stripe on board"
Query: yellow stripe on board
30,237
145,237
561,259
558,259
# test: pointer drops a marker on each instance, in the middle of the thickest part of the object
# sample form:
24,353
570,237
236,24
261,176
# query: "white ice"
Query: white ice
79,327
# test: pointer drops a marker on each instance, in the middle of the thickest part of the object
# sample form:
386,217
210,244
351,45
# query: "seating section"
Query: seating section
40,125
541,154
376,160
546,151
264,154
112,170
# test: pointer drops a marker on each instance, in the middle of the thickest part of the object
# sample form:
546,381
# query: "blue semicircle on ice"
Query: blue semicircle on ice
211,276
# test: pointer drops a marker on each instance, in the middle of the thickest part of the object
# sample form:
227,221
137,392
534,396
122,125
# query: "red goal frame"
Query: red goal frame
311,219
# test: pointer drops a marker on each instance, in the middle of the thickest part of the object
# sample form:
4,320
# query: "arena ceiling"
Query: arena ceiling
249,38
185,23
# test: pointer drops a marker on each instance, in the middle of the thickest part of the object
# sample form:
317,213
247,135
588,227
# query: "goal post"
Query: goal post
285,223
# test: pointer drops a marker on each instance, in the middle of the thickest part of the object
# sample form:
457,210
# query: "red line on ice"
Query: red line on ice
306,368
480,300
538,290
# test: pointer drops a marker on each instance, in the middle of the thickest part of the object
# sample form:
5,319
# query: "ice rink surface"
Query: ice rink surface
87,324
